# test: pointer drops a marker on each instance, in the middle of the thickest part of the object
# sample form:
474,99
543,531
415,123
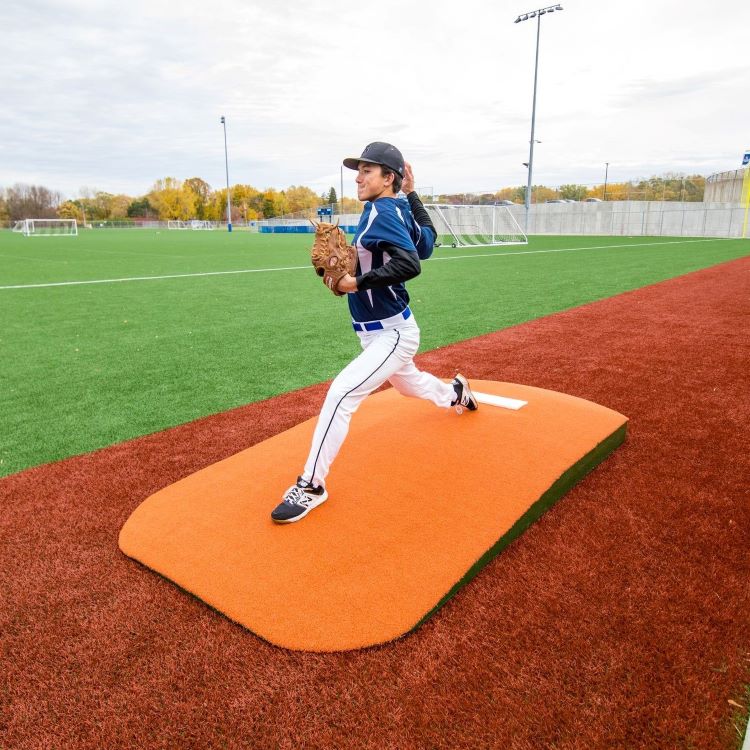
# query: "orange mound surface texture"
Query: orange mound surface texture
419,495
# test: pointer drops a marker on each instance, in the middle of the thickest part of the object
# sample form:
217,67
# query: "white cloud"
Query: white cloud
118,95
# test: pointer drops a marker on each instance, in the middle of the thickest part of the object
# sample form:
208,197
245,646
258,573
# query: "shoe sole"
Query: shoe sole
320,500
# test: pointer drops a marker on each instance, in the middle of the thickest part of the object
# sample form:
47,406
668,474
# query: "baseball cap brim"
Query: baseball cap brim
353,162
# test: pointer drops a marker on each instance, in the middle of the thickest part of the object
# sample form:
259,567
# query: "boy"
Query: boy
391,238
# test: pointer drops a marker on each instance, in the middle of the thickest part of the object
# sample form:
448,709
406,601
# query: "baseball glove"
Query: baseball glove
331,256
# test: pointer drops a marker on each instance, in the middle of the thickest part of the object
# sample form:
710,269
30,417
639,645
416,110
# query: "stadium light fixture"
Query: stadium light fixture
524,17
226,164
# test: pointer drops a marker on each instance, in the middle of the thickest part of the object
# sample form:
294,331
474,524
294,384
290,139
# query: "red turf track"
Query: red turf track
618,620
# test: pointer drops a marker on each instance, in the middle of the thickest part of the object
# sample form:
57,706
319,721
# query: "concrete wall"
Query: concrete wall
347,222
634,218
616,218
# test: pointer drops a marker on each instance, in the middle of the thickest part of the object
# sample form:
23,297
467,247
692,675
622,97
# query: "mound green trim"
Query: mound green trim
561,487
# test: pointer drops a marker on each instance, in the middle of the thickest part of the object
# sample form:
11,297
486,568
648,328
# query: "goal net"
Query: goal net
190,224
47,227
475,226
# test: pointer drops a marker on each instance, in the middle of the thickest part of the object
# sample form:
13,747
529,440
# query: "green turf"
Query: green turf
87,365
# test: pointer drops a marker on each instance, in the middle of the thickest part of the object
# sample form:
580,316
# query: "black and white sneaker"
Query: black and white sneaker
298,501
464,397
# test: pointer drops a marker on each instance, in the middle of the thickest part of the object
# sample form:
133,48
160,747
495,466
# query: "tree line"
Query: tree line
169,198
194,198
668,187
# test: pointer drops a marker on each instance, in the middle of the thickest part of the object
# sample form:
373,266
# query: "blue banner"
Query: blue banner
746,158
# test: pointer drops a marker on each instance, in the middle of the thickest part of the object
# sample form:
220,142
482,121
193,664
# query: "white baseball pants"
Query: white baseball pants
386,355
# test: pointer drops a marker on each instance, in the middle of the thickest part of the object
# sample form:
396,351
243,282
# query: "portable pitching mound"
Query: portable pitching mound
420,500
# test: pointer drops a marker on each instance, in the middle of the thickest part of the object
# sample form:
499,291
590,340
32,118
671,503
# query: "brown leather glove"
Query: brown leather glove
331,256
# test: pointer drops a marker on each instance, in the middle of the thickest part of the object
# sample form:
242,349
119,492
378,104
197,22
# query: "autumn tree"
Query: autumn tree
274,203
573,192
514,194
31,202
301,199
202,192
99,206
518,194
453,199
216,208
71,210
118,206
351,206
4,215
540,194
246,200
668,187
140,208
246,204
672,186
474,199
172,199
616,191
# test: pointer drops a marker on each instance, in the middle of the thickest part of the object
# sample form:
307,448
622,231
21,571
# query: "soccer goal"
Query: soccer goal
190,224
47,227
475,226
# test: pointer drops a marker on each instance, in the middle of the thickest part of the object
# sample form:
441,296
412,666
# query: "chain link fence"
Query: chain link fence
616,218
725,186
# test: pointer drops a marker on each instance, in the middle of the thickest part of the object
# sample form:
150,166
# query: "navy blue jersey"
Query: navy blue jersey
386,221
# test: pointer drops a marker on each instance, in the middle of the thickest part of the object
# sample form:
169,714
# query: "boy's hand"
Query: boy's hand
408,184
347,284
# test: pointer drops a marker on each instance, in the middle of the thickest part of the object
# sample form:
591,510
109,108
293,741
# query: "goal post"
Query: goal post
194,224
475,226
47,227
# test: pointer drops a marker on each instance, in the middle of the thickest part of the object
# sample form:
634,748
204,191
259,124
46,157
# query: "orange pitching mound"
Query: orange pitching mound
420,500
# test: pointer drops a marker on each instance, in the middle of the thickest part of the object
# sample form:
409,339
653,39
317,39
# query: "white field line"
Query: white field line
152,278
307,267
571,249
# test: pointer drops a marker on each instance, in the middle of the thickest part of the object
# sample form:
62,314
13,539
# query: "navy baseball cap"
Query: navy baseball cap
379,153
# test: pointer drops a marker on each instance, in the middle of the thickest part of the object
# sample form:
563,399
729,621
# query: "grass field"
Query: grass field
115,334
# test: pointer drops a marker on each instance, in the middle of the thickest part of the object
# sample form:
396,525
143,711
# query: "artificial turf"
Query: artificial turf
86,365
615,621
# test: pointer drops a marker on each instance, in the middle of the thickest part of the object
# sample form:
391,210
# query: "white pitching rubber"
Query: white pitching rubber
505,403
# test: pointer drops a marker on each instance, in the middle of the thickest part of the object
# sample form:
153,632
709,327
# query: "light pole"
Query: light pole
525,17
606,172
226,164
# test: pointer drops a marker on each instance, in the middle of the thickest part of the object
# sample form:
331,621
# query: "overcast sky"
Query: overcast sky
113,96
